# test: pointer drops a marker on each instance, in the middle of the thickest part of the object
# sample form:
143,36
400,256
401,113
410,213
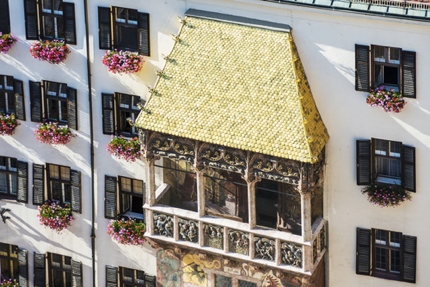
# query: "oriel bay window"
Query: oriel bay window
13,179
4,17
57,270
13,263
11,97
128,277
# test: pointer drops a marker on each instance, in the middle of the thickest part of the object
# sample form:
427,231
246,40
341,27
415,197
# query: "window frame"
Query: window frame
132,194
64,269
114,277
66,184
21,183
15,94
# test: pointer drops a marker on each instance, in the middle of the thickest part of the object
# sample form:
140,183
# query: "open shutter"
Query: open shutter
363,251
409,74
409,258
69,22
4,17
23,267
72,111
36,101
31,22
362,75
76,190
76,274
38,184
408,168
363,162
143,34
111,276
18,87
22,195
105,36
110,197
108,114
149,281
39,270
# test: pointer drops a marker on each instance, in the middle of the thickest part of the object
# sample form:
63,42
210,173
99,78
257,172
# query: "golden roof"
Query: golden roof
239,86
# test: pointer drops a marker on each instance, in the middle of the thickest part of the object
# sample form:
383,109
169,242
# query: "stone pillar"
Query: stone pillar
150,181
306,215
252,216
200,192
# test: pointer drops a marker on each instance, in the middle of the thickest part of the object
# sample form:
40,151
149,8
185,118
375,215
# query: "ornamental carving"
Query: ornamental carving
238,242
264,248
276,169
291,254
315,250
214,236
322,238
188,230
163,224
223,158
171,147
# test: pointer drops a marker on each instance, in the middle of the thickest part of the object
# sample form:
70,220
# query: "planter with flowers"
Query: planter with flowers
127,231
8,283
52,133
122,62
386,194
56,216
6,42
127,149
53,52
8,123
389,100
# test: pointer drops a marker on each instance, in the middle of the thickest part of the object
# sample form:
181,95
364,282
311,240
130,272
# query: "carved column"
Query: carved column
252,216
150,181
306,215
200,192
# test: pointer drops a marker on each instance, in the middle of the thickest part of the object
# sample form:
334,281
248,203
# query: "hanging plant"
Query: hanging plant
8,123
54,52
122,62
127,231
9,283
52,133
386,194
6,42
56,216
389,100
127,149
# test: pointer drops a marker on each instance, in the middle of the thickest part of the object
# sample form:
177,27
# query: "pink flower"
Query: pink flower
124,148
122,62
55,216
6,42
127,231
54,52
389,100
52,133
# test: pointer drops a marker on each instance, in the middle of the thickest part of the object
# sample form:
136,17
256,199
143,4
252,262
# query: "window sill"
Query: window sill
388,180
133,215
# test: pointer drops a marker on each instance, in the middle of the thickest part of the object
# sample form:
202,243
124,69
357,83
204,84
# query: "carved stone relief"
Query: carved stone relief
238,242
188,230
264,248
163,224
291,254
214,236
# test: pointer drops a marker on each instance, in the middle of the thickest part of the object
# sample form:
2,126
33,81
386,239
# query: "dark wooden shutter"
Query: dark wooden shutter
4,17
409,74
409,258
31,21
110,197
36,101
72,111
408,168
105,36
76,274
69,22
18,87
363,251
363,162
111,276
75,181
149,281
23,267
143,34
22,195
362,75
39,270
108,114
38,184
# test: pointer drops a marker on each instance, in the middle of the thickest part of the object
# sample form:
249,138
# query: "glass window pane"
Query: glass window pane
138,187
132,17
65,173
57,191
3,183
63,111
395,238
52,106
58,6
379,53
121,15
222,281
395,261
126,37
47,5
49,26
380,237
380,259
395,149
127,274
246,284
394,55
125,184
3,162
125,203
54,171
13,183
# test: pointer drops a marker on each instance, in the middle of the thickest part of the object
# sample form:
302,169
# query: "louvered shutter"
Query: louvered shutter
363,162
363,251
105,36
72,111
408,168
362,75
36,101
76,190
108,114
149,281
76,274
18,87
110,197
4,17
69,22
23,267
143,34
409,258
409,74
22,195
38,184
39,270
111,276
31,21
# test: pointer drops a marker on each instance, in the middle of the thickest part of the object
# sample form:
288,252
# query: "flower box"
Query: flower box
389,100
53,52
56,216
127,231
8,123
122,62
6,42
52,133
386,194
8,283
127,149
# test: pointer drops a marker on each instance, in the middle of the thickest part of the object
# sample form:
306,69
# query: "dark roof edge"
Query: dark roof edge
238,20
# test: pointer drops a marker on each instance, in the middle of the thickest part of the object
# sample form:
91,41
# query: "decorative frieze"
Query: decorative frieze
163,224
238,242
264,248
223,158
188,230
171,147
291,254
214,236
322,238
276,169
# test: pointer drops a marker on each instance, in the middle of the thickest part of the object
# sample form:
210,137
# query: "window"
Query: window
391,67
54,19
63,185
383,161
127,277
55,102
227,281
63,271
13,179
13,263
4,17
386,254
124,196
11,97
119,113
124,29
